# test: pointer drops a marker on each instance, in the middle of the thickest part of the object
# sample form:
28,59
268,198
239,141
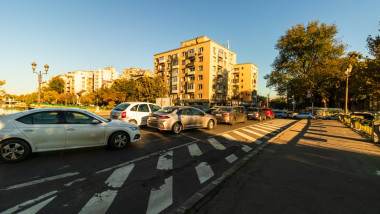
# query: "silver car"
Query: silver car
52,129
134,112
179,118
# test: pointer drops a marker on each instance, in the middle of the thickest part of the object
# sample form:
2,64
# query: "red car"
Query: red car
268,113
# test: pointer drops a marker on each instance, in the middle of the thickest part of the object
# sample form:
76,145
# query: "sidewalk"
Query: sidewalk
314,167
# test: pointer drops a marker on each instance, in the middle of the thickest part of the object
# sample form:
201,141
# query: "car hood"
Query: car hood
117,123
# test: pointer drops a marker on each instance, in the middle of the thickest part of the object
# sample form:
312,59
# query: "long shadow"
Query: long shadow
301,135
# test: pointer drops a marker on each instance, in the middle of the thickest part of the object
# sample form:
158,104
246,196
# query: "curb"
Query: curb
211,189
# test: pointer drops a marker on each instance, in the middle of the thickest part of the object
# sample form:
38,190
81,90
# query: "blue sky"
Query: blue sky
82,35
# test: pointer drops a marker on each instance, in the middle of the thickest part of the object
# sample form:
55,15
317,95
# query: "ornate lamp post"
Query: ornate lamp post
34,65
348,71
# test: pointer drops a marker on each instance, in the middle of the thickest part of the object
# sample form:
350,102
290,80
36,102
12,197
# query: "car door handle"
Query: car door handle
28,130
70,129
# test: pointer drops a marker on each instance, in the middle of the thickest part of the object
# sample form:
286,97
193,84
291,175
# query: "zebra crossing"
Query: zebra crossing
161,198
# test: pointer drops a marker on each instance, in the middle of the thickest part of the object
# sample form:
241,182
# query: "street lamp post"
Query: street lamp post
348,71
34,65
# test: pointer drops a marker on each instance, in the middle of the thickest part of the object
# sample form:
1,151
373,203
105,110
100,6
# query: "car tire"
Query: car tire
134,122
260,118
210,124
177,128
14,150
118,140
233,121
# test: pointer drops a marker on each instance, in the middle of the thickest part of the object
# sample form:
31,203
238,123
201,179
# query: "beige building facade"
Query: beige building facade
135,73
199,72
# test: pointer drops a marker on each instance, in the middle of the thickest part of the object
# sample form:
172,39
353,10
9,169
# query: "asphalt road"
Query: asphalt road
155,175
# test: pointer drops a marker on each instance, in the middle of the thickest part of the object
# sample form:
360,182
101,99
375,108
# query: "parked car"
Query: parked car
255,113
303,115
291,114
51,129
268,113
331,117
231,115
179,118
280,114
203,108
134,112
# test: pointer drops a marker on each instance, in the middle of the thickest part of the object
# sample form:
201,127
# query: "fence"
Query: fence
371,128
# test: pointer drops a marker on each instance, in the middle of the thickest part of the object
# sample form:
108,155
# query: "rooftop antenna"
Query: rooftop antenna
228,44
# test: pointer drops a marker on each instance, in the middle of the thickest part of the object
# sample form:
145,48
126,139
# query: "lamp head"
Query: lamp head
46,68
34,65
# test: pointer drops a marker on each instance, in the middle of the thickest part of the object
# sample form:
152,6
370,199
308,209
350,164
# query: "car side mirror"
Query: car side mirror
95,122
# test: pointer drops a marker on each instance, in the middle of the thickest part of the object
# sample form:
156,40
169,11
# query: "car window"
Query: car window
197,112
45,118
134,108
168,109
77,118
224,109
185,111
25,119
121,107
154,108
143,108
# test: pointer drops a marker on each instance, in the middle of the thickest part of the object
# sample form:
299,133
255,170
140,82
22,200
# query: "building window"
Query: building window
200,68
183,79
183,53
214,59
183,62
183,71
241,86
213,68
200,59
168,81
241,80
199,95
182,88
191,78
201,50
200,77
200,86
175,79
214,49
190,86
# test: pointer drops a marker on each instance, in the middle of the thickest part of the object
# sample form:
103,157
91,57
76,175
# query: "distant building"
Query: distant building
105,77
136,73
244,82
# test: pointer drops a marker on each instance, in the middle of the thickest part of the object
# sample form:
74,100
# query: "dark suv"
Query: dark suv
255,114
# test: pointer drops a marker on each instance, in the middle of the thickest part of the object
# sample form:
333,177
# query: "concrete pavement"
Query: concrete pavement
313,167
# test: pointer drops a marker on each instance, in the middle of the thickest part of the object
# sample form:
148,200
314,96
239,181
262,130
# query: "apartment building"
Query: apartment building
201,71
105,77
135,73
197,72
77,81
244,83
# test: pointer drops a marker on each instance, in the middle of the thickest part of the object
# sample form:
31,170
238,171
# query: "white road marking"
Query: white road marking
100,203
273,129
14,209
161,198
251,127
216,144
377,172
37,207
229,137
246,148
77,180
256,133
194,150
165,161
231,158
41,181
249,138
272,126
204,172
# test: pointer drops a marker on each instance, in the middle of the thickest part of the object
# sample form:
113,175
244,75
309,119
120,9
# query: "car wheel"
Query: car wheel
260,118
118,140
233,121
14,150
134,122
177,128
210,124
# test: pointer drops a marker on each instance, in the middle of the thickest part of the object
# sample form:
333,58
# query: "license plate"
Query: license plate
250,114
218,115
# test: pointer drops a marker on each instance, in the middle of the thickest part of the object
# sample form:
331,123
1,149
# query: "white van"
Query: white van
134,112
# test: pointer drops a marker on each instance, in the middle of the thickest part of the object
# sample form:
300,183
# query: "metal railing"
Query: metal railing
371,128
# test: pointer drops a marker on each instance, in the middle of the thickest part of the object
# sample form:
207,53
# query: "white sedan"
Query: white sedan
52,129
304,115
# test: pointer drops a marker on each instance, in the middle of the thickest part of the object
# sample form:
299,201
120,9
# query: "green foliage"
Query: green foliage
309,58
56,84
50,97
2,91
278,103
148,89
126,89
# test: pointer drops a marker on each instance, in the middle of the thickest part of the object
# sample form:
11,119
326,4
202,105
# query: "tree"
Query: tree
51,97
56,84
2,91
309,58
126,89
148,89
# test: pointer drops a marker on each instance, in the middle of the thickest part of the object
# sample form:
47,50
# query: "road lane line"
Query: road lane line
165,161
216,144
229,137
204,172
251,127
77,180
161,198
37,207
40,181
256,133
194,150
231,158
100,203
26,203
246,148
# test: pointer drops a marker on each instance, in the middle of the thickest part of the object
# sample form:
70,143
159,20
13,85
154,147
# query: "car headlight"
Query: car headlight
134,128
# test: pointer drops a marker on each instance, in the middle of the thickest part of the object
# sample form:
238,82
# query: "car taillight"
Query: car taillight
163,117
212,113
124,114
226,114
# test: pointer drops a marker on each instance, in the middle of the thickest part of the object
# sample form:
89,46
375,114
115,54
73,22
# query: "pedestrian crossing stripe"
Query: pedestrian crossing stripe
251,127
204,172
216,144
165,161
249,138
194,150
256,133
246,148
161,198
229,137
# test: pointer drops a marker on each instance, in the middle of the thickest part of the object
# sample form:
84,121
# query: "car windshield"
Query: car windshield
167,110
253,109
224,109
121,107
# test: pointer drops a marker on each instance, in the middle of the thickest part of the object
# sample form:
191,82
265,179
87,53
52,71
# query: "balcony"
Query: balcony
175,66
190,90
220,55
190,64
174,91
190,55
161,60
220,73
190,73
219,91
